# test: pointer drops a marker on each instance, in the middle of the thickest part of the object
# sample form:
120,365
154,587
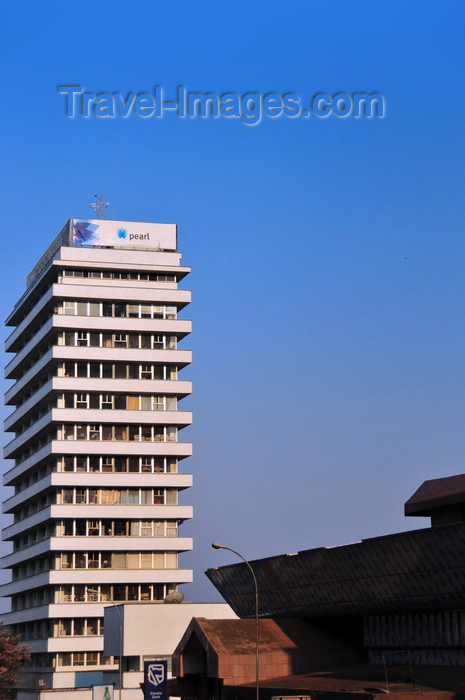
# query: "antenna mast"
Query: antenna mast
100,205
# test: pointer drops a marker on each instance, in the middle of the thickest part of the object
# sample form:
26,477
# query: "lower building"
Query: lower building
404,594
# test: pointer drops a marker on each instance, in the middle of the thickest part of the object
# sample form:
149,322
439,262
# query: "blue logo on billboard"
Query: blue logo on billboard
122,233
155,680
156,674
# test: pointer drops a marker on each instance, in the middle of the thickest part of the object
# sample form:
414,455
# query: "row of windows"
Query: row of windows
143,433
138,433
144,341
76,307
116,370
96,560
146,497
33,447
101,497
121,402
99,528
105,464
120,592
34,506
34,476
107,274
84,658
34,567
117,275
41,629
91,463
79,593
104,370
99,340
89,658
33,537
117,528
118,560
79,626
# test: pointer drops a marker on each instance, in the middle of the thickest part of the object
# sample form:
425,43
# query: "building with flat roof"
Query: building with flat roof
97,451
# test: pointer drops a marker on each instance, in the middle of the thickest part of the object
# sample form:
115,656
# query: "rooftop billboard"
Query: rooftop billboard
122,234
109,234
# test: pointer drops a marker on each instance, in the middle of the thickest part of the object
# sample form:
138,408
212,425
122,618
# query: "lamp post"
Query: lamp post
216,545
120,666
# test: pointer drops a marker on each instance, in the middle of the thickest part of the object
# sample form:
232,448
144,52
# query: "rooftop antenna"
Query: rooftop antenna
100,205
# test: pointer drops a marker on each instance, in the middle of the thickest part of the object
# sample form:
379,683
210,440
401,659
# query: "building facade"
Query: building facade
97,449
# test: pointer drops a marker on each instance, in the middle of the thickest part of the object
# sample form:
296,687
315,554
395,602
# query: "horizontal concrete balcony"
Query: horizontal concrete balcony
85,385
55,611
30,523
30,349
77,643
120,417
79,288
31,434
161,262
35,460
110,324
181,358
95,577
25,584
22,555
96,512
107,416
120,448
124,259
97,282
178,327
33,318
29,615
31,376
58,480
180,419
98,544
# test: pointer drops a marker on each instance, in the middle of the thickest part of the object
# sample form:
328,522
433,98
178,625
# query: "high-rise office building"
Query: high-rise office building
97,448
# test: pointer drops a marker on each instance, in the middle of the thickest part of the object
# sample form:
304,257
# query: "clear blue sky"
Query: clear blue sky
327,254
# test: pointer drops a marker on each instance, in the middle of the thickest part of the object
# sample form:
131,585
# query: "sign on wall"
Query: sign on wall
130,234
155,680
102,692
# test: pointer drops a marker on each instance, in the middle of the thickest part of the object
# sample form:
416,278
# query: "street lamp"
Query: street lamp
120,666
216,545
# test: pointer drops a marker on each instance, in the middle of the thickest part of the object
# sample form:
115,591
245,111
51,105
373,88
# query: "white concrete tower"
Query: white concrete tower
97,447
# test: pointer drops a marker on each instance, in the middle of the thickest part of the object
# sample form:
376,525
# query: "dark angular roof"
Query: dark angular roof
436,493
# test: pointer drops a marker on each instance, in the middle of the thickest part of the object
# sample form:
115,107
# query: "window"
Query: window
133,560
107,401
107,464
146,372
118,561
121,340
146,560
171,528
82,339
133,403
82,401
69,307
